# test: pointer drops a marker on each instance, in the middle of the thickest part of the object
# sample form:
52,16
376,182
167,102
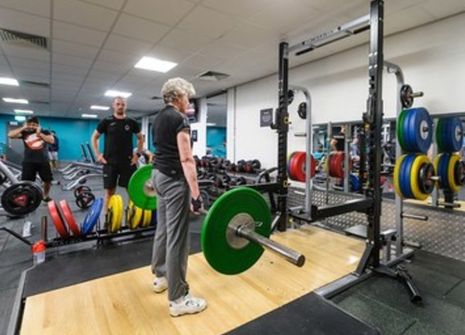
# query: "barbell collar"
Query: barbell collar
414,216
287,253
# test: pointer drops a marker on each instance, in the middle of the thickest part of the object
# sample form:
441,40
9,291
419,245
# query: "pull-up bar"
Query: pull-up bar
345,30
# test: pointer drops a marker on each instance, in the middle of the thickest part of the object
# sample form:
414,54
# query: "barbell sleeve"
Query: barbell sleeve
287,253
417,94
415,217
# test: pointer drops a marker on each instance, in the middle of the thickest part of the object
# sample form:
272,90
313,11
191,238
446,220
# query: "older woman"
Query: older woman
175,180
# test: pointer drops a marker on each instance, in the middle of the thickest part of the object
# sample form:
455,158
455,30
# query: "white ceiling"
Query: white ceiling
94,44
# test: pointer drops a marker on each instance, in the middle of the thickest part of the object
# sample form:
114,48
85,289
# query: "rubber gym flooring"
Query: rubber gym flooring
376,304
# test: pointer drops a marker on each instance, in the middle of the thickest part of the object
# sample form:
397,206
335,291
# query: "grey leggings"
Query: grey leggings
171,243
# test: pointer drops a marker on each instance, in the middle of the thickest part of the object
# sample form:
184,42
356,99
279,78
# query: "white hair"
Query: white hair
176,87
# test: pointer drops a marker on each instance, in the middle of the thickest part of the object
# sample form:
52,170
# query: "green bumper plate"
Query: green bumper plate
216,248
140,188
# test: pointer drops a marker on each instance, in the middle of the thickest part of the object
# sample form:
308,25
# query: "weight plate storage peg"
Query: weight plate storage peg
449,134
115,213
225,252
21,198
416,130
141,190
92,217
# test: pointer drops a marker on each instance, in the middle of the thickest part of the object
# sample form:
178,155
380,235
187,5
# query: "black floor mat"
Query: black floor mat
384,302
309,315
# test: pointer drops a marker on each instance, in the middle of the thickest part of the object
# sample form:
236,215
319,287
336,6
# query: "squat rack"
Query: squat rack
370,155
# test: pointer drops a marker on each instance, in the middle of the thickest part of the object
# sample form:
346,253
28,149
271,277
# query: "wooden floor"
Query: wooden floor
125,303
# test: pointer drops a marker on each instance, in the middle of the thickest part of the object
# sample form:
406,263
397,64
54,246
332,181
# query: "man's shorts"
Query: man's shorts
53,155
30,171
117,173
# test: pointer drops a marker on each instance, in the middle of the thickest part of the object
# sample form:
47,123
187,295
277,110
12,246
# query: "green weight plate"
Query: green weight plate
140,188
232,207
400,129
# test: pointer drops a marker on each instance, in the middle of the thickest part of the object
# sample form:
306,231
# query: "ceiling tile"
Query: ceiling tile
172,55
222,50
74,49
203,62
112,67
69,60
72,33
168,12
37,7
181,39
248,35
26,23
129,45
142,29
84,14
272,17
239,8
114,4
208,22
117,57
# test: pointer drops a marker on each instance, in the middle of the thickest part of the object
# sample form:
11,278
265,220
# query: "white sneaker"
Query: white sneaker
160,285
187,305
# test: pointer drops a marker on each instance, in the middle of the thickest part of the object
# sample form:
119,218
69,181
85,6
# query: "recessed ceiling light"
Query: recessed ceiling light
155,64
210,124
89,116
99,108
16,101
8,81
20,118
23,111
113,93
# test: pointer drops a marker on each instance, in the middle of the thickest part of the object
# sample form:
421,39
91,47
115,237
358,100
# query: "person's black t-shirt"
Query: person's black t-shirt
118,138
35,148
166,126
340,141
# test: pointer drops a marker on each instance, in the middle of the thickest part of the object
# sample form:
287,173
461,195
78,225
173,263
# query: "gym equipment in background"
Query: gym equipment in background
84,197
114,216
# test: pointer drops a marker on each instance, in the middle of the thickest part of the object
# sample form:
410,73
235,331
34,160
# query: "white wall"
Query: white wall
432,58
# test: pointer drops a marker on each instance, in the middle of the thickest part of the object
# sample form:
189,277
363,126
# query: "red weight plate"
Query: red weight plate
289,162
331,165
57,219
338,165
69,218
300,166
294,166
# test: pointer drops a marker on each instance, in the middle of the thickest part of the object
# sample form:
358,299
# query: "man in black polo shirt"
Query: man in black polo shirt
118,159
175,180
35,152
